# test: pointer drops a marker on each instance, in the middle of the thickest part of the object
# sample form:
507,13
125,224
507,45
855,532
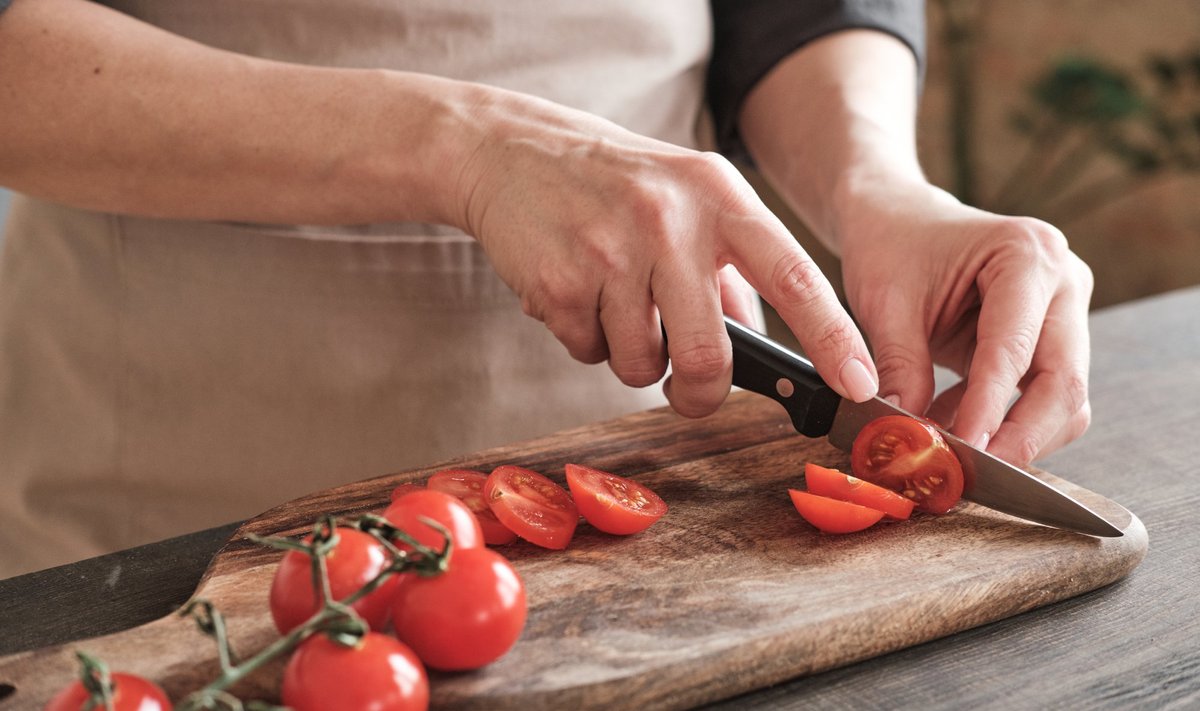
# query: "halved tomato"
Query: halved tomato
837,485
612,503
833,516
467,485
909,457
534,507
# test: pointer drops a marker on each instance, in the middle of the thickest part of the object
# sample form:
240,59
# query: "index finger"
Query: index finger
783,274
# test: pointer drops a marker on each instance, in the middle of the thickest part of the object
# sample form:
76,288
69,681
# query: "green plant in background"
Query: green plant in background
1147,122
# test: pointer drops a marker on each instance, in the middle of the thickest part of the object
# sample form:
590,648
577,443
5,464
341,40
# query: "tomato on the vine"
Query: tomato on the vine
534,507
468,485
612,503
130,693
464,618
834,484
356,559
833,516
407,511
910,457
378,673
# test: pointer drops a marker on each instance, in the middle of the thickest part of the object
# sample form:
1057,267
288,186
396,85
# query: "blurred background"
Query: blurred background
1085,113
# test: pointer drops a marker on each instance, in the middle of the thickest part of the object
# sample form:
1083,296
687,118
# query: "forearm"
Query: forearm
105,112
833,119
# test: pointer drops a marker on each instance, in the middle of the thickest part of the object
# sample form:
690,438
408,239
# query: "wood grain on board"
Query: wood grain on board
731,591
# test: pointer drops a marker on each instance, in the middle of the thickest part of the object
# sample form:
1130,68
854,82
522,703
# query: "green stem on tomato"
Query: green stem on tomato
97,681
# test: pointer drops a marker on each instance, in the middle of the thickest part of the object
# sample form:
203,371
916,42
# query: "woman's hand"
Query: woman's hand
1002,301
601,232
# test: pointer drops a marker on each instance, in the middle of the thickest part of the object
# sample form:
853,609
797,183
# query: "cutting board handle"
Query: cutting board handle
763,366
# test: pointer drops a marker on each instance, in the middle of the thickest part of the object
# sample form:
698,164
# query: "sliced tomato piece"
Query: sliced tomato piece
833,516
536,508
405,488
467,485
823,481
612,503
910,457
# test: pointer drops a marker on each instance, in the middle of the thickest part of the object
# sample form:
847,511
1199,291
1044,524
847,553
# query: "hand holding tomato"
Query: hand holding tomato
1002,301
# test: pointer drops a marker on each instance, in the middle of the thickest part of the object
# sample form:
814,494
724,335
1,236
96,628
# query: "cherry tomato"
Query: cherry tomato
464,618
836,485
833,516
130,693
402,489
353,562
379,673
909,457
407,511
611,503
467,485
531,505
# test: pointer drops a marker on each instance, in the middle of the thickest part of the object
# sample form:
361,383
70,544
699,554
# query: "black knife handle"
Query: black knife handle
767,368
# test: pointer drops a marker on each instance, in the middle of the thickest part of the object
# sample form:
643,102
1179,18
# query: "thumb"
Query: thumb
901,353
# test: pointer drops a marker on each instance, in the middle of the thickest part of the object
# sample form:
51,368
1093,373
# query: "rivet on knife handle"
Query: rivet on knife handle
767,368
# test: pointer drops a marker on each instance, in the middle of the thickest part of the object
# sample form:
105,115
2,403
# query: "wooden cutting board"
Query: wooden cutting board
730,592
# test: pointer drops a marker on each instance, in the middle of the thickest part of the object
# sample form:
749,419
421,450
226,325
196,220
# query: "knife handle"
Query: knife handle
768,368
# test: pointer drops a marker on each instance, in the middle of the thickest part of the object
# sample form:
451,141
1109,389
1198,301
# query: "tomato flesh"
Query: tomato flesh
465,618
909,457
407,511
378,673
356,559
833,516
834,484
612,503
532,506
468,485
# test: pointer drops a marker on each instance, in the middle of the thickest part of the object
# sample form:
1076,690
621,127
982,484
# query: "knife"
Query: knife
763,366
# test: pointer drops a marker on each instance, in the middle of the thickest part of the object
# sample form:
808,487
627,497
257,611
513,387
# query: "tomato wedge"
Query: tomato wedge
837,485
467,485
910,457
612,503
532,506
833,516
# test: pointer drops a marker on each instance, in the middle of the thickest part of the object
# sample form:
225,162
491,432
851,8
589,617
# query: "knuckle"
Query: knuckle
1075,392
1028,447
700,362
1034,241
1081,421
640,371
798,281
894,359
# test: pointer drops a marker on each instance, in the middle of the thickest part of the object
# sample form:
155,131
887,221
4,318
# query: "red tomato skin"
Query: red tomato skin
379,674
909,457
535,507
834,484
612,503
130,693
468,485
405,513
465,618
354,561
833,516
402,489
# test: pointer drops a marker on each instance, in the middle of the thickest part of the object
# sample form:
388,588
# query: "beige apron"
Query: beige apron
158,377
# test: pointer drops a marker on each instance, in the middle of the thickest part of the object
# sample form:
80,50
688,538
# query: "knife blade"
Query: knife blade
768,368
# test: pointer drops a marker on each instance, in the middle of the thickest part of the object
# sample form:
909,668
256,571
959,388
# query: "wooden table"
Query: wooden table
1131,645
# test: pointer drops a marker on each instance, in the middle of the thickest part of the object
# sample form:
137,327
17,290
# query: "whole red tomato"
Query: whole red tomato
407,511
130,693
356,559
379,673
464,618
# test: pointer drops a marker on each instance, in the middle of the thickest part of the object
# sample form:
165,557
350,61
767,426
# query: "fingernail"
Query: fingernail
893,398
857,381
981,442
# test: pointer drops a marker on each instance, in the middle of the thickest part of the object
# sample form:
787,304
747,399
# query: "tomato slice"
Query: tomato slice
837,485
612,503
910,457
467,485
531,505
833,516
406,488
